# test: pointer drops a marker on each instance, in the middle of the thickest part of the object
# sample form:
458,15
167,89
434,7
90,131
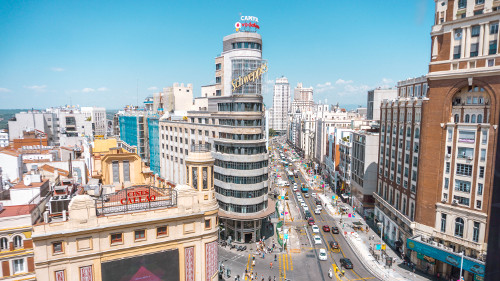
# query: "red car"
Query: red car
326,228
311,221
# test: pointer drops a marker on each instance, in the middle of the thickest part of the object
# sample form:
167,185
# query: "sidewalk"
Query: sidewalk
360,243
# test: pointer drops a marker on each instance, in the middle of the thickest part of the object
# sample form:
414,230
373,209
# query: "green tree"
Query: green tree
272,132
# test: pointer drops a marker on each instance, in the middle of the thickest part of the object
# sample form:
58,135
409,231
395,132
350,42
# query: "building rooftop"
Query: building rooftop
33,184
18,210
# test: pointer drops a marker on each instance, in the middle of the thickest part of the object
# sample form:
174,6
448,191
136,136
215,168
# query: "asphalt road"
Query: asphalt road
359,272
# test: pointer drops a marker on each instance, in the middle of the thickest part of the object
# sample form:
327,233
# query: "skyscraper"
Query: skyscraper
281,103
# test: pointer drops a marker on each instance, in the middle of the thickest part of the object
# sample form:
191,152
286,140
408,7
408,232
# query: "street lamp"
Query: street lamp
381,226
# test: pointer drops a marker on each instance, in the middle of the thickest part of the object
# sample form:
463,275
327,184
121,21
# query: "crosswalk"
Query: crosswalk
285,266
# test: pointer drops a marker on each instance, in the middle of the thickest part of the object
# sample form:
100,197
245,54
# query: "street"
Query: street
302,265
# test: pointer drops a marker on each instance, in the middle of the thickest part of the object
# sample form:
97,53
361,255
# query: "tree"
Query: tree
272,132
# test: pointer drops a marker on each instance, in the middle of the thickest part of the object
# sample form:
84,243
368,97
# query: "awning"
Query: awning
469,264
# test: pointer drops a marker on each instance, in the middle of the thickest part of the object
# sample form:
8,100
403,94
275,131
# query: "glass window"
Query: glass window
116,172
57,247
493,47
446,183
18,266
474,49
4,244
456,52
162,231
494,28
481,172
479,189
475,231
463,186
126,171
476,29
443,222
483,154
459,227
462,4
464,170
116,238
466,136
18,242
140,234
208,223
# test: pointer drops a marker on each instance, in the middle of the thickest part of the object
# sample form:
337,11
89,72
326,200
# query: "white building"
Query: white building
281,103
97,116
374,100
364,170
4,138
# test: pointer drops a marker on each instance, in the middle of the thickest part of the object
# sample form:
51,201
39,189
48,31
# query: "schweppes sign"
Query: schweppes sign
251,77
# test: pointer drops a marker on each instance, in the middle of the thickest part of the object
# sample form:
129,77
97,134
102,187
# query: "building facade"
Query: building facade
233,128
374,100
399,155
458,137
281,105
139,232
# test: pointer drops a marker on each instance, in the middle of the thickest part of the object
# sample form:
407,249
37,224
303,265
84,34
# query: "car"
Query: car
294,188
317,211
301,201
334,245
310,221
326,228
303,204
346,263
307,215
335,230
306,195
315,228
317,240
319,207
313,194
305,208
322,255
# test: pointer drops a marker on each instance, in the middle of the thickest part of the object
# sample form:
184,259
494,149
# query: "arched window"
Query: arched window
18,242
4,244
467,118
473,118
479,118
417,133
459,227
457,118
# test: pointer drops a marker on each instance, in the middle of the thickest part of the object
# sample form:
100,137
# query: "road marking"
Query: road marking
291,263
284,267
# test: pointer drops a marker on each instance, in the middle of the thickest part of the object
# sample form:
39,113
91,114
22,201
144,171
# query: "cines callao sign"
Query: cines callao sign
250,77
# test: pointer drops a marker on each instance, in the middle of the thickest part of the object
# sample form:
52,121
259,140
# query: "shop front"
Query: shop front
436,259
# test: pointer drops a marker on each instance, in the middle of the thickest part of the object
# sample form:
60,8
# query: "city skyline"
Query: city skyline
93,54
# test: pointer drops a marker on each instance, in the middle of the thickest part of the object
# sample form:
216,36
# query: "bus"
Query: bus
290,174
304,188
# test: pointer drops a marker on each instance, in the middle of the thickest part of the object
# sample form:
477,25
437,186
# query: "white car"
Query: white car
301,201
313,194
317,211
322,255
305,208
315,228
294,188
317,240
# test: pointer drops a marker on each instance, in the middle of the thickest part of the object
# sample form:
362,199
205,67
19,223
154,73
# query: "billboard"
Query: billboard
160,266
454,259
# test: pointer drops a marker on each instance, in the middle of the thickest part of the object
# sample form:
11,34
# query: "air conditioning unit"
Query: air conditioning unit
448,155
443,201
454,202
469,157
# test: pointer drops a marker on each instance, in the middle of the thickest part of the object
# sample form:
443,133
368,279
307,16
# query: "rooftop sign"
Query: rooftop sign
248,24
250,77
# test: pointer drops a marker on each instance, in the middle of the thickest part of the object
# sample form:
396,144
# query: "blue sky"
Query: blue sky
102,53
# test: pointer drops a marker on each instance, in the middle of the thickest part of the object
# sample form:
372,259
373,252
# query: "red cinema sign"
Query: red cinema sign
138,197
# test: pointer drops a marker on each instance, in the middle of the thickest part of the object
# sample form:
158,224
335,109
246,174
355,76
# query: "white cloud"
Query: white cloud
57,69
4,90
88,90
342,82
387,81
152,88
325,87
37,88
102,89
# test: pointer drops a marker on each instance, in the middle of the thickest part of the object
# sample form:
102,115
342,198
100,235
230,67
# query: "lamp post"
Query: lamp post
461,265
381,225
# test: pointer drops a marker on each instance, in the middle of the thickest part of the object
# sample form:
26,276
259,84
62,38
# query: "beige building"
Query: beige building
16,247
138,232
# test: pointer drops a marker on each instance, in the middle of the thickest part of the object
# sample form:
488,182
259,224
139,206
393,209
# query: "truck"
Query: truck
304,188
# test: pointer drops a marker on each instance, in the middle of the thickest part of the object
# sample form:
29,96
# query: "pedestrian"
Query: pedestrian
271,265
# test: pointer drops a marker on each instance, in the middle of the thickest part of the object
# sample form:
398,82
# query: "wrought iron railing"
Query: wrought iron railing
136,198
